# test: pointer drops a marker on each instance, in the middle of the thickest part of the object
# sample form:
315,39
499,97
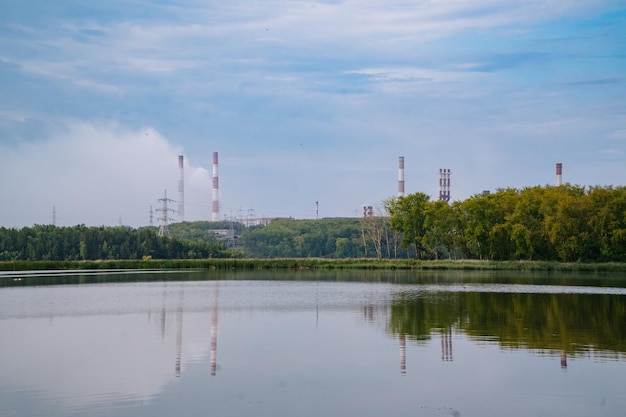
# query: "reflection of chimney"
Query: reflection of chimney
446,345
402,354
163,318
214,332
179,333
563,360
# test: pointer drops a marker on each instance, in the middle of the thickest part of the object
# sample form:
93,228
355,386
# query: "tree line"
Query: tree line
547,223
566,223
324,238
47,242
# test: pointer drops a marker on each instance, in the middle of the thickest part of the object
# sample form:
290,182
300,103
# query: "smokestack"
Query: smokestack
440,184
448,186
444,184
181,189
559,174
401,176
215,214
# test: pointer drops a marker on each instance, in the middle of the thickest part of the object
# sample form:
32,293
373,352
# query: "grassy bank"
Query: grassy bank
312,263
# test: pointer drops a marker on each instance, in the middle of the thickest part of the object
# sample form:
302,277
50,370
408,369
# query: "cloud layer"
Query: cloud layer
306,100
96,174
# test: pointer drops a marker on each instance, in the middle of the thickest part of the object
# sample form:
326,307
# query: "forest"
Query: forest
568,223
52,243
323,238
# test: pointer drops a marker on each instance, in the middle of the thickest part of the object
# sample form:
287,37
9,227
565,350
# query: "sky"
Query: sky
305,102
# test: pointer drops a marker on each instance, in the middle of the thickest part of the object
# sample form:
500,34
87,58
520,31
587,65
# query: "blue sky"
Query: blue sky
305,101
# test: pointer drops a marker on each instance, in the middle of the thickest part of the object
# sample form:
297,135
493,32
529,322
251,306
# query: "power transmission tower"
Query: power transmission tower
151,217
54,215
164,220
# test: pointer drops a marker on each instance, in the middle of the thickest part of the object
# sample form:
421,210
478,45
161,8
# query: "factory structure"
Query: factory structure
215,210
164,210
444,184
215,205
444,181
181,189
401,176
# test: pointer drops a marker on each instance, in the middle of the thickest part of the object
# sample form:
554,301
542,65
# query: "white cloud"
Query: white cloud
234,31
618,135
13,116
93,174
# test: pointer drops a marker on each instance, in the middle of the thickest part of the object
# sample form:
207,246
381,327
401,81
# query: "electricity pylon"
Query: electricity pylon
164,220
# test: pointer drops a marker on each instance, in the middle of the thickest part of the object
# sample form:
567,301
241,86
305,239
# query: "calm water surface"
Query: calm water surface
312,344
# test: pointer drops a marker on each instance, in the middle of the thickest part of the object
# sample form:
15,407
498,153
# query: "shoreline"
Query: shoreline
311,263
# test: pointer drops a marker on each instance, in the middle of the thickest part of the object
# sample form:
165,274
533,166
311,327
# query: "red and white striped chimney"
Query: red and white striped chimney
444,184
401,177
559,174
181,189
215,213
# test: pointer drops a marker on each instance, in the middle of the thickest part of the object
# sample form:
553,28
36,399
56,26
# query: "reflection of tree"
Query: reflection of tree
568,323
417,317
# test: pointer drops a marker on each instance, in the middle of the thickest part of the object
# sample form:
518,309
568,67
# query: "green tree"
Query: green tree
408,216
439,226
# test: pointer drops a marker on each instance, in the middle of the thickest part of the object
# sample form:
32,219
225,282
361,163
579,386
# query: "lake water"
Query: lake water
210,343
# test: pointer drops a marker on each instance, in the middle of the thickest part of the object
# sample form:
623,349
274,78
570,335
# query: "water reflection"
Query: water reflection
307,347
432,277
214,330
446,345
402,339
568,324
179,332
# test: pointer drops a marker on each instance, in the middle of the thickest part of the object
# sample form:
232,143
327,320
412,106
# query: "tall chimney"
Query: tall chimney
444,184
559,174
215,214
181,189
401,176
448,186
440,184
